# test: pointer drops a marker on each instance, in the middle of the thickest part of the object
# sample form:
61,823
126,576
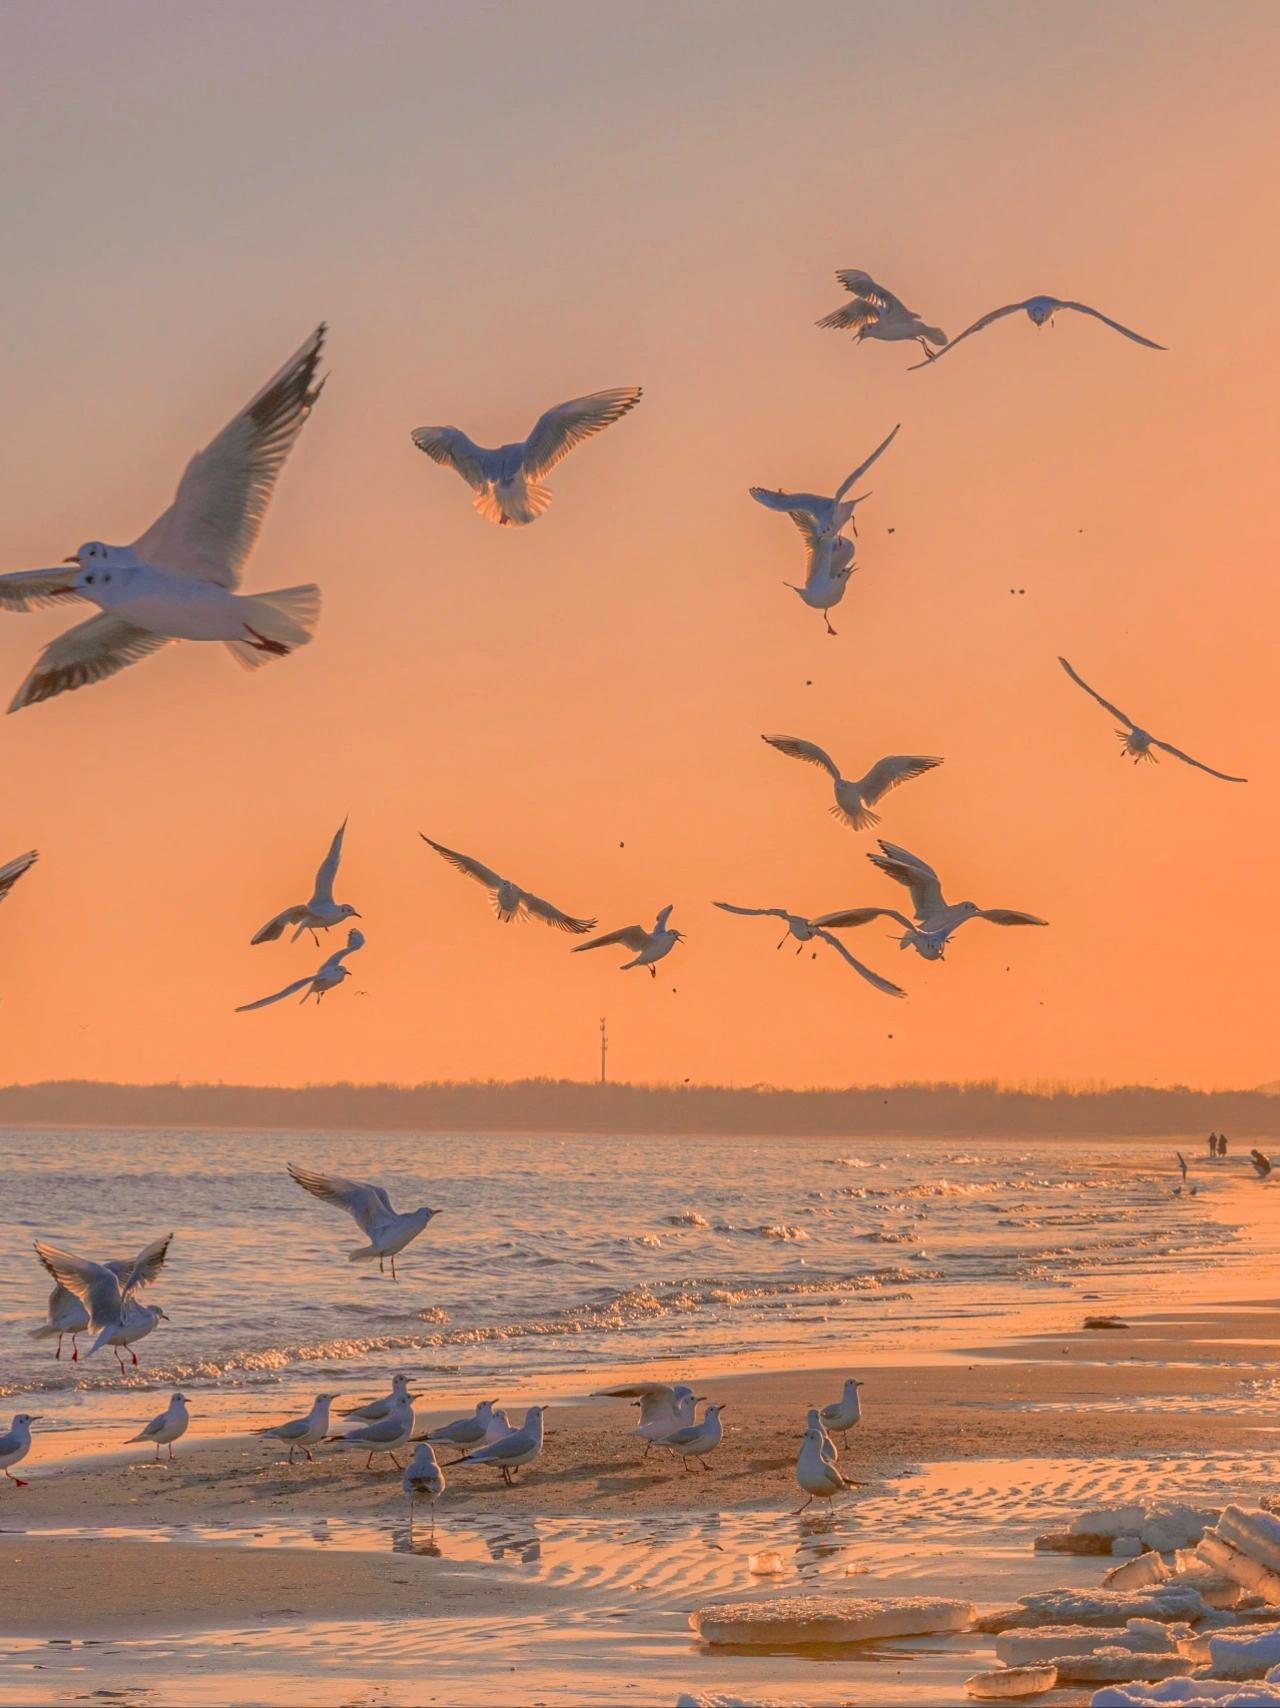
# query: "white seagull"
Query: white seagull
813,1420
510,902
423,1480
15,1444
664,1408
646,946
1137,742
106,1292
1039,311
806,930
465,1431
828,515
697,1439
66,1314
386,1435
165,1428
816,1474
303,1432
376,1409
177,580
876,313
327,976
855,797
388,1230
322,911
517,1447
932,911
843,1413
498,1426
505,480
930,944
826,577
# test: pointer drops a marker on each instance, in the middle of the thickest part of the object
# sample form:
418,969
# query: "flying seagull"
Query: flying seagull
932,911
826,576
505,480
876,313
177,580
1136,742
646,946
510,902
321,911
806,930
1038,310
855,797
828,515
328,976
106,1291
387,1230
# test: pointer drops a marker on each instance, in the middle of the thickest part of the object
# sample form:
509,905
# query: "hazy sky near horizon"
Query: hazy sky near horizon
497,207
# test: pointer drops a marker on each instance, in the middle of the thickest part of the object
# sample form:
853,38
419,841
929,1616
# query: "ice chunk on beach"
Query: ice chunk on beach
1165,1602
1247,1652
766,1564
1138,1573
1010,1682
1167,1527
1120,1664
1254,1533
1126,1547
1057,1642
1187,1693
1215,1551
792,1619
1214,1585
1110,1521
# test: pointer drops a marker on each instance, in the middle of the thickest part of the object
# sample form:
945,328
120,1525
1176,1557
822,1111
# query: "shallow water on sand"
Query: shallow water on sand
556,1257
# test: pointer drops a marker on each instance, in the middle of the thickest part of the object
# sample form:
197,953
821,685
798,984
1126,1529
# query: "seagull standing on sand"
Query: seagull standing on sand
177,581
167,1426
828,1448
385,1436
518,1447
322,911
510,902
388,1230
505,480
304,1432
377,1409
423,1480
828,515
646,946
854,798
1136,743
15,1444
465,1431
815,1472
876,313
1039,311
106,1292
328,976
697,1439
498,1426
664,1408
845,1412
809,930
937,917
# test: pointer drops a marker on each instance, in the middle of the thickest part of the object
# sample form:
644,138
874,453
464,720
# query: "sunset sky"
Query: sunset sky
497,207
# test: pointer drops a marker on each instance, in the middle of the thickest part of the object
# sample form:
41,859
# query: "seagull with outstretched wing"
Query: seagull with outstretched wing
855,797
510,902
876,313
328,976
807,930
322,911
829,515
506,479
936,918
646,946
387,1229
106,1290
1135,742
1039,311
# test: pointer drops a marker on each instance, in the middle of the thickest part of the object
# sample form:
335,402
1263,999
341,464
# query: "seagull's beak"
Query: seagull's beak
356,913
74,560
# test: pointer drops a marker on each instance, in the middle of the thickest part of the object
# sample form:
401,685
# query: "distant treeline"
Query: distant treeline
568,1106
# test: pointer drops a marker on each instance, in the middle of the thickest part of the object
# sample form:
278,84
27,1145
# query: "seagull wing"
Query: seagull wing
978,325
1083,308
637,1391
355,940
279,996
93,1284
209,529
808,526
1106,705
849,316
773,498
87,653
465,864
552,916
275,927
809,751
886,774
1008,916
862,468
451,448
25,589
557,431
852,916
863,286
632,937
366,1205
329,866
885,985
1186,758
144,1267
770,912
919,877
10,874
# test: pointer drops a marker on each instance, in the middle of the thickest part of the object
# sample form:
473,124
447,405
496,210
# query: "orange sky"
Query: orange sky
497,207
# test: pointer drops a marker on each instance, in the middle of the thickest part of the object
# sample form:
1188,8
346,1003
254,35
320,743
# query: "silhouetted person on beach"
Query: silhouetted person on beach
1213,1144
1222,1144
1262,1164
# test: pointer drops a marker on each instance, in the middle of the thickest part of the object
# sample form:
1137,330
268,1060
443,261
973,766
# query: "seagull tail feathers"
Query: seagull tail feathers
361,1254
275,624
515,508
863,819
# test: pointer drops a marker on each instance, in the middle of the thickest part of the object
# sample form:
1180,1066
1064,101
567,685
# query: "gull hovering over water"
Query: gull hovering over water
388,1230
876,313
303,1432
646,946
106,1292
1039,311
937,917
510,902
322,911
806,930
828,515
518,1447
66,1314
855,797
15,1444
166,1427
328,976
1137,742
505,480
177,580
